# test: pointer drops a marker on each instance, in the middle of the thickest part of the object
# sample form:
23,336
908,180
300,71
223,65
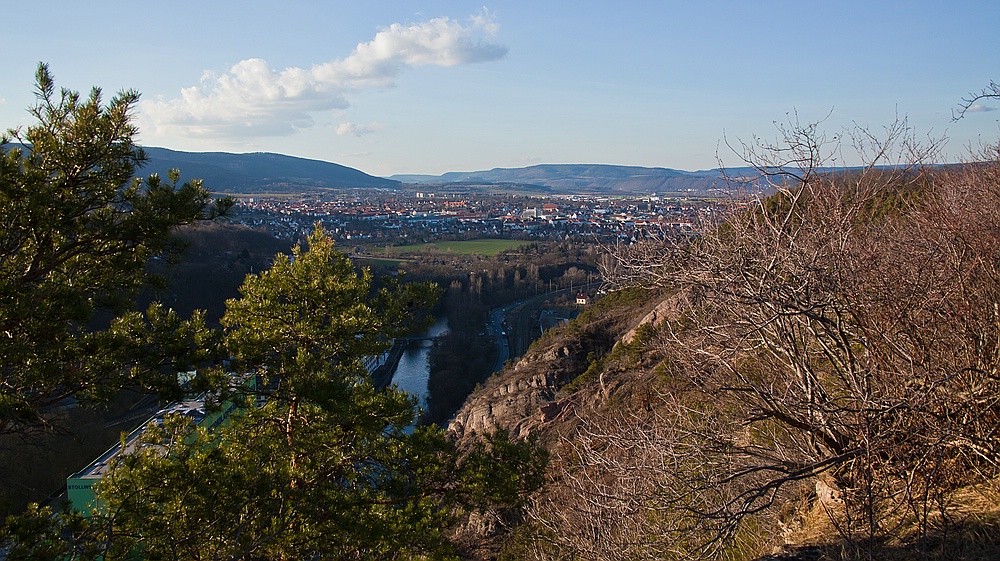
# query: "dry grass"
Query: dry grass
968,530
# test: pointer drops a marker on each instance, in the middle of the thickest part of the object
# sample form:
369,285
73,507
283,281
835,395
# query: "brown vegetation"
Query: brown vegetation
833,349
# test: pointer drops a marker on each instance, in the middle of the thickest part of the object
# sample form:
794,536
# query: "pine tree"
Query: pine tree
77,232
330,467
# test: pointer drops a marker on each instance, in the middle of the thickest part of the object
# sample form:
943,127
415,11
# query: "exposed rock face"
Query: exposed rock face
515,398
529,398
522,398
666,308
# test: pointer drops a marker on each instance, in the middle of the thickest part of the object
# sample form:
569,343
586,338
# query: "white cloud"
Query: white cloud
353,129
979,108
252,99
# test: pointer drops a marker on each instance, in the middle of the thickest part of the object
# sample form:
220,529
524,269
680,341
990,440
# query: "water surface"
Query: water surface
414,365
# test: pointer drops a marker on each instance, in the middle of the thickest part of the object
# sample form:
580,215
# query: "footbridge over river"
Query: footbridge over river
413,345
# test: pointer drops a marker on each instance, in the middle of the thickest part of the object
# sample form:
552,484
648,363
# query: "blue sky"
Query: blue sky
428,87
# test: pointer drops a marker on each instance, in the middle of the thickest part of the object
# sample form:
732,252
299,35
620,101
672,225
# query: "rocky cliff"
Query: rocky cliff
526,397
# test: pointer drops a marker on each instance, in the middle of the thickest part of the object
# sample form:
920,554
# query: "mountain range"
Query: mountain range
585,178
267,173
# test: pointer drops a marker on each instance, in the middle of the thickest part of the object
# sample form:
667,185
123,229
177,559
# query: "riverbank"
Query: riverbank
382,376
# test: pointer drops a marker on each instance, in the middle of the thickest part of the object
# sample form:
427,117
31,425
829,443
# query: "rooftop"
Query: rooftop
191,408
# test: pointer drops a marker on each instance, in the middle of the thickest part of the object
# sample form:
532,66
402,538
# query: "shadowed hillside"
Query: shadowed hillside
262,172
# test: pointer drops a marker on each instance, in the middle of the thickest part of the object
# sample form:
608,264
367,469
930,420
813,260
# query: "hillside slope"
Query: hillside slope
820,370
261,172
610,424
525,399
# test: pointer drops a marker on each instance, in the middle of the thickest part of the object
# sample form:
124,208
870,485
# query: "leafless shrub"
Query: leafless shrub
846,326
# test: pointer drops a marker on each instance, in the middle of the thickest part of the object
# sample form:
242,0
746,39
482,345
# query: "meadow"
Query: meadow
486,248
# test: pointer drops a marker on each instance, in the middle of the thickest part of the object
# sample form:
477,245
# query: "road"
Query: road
515,326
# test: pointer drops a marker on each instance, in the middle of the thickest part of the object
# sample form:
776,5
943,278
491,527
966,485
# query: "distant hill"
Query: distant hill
588,178
263,172
274,173
260,172
268,173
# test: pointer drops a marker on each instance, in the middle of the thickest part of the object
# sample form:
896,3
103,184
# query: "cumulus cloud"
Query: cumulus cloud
979,108
252,99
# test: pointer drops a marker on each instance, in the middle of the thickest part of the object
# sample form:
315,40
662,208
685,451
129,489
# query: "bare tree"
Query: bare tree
848,326
646,483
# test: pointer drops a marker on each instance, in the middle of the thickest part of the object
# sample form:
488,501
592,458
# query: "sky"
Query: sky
393,87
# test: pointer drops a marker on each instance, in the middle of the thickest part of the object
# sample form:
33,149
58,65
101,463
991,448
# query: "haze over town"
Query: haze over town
404,87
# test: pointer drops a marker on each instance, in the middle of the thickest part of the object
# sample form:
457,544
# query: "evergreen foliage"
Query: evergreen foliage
329,467
78,231
318,464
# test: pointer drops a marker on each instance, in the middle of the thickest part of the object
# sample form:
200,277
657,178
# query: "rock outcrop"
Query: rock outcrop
516,398
523,397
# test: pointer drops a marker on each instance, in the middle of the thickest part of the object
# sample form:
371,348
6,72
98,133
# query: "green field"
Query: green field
378,262
487,248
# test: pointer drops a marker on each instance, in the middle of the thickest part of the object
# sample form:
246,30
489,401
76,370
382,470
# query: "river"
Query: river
414,365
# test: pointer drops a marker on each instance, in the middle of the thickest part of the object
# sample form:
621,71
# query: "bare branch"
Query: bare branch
971,101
